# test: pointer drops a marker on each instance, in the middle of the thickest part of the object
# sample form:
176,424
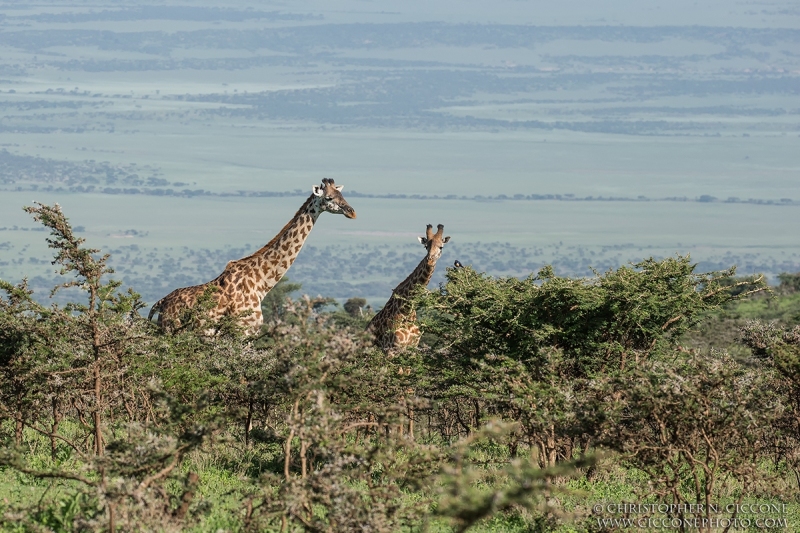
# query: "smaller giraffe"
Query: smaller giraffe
395,325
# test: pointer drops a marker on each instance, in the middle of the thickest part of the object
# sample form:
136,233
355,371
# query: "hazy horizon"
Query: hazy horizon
623,130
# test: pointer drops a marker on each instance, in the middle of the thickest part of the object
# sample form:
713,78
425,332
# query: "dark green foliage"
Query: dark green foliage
789,283
530,348
600,324
355,306
578,364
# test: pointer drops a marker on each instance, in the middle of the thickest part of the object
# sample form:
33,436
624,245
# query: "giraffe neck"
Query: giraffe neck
398,306
270,263
420,276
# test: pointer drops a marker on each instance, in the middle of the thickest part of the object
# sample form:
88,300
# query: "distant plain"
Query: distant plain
167,132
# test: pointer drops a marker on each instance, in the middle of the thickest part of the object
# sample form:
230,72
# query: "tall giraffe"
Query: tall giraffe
245,282
395,325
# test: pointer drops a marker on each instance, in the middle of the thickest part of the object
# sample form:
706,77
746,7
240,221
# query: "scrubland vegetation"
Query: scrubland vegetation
553,139
528,402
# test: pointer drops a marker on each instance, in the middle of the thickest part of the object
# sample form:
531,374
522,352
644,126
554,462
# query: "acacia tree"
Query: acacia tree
94,359
527,349
68,356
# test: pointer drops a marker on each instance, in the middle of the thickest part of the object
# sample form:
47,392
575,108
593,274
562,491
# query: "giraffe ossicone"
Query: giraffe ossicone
395,325
243,284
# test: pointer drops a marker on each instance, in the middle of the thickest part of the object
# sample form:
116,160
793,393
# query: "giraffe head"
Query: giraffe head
434,242
330,199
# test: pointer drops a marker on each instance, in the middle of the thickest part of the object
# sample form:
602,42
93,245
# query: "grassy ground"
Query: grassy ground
230,469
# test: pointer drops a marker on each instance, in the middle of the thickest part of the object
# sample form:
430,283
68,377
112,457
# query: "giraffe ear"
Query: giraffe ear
339,187
422,240
446,240
317,190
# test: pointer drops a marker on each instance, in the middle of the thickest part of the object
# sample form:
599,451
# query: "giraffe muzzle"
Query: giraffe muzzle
349,212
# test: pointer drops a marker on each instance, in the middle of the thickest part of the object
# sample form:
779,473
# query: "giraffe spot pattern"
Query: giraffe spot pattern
394,326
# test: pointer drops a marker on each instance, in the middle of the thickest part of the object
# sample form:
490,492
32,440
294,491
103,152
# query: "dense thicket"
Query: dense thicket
522,391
